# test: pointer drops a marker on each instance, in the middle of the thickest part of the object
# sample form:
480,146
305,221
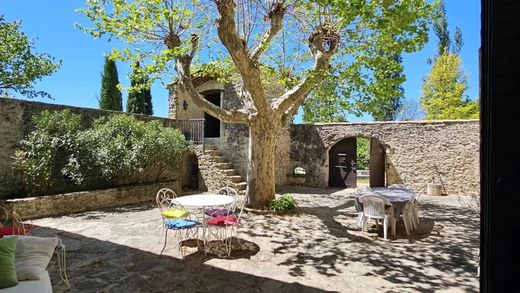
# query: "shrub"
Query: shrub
41,154
58,156
285,203
121,149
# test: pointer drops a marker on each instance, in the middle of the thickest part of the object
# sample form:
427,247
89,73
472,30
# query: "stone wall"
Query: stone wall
77,202
416,152
15,123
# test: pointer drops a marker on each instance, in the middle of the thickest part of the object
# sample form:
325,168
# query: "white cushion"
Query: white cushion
33,255
41,286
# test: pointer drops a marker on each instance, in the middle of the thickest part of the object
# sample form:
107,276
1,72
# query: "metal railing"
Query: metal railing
193,130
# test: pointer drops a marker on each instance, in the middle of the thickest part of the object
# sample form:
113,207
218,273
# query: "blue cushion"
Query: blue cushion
180,224
218,212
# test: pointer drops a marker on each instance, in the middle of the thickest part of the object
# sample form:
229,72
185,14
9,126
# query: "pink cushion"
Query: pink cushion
223,221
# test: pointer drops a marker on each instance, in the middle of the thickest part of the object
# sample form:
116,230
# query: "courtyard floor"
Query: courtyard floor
319,249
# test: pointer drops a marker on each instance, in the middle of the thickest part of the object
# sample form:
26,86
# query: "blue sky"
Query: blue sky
51,24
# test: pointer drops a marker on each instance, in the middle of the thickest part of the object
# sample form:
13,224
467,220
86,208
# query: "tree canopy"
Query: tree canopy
139,97
299,42
443,90
110,97
20,67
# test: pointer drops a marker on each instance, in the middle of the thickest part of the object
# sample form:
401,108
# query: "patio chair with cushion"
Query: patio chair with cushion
185,227
222,211
226,226
376,207
164,199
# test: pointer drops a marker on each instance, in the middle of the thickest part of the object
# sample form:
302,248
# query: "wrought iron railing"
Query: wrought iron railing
193,130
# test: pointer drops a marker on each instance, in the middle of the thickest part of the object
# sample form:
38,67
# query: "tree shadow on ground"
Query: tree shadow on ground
102,266
441,254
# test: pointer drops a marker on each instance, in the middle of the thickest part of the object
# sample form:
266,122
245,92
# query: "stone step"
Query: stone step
219,159
230,172
240,186
212,152
235,178
224,166
210,147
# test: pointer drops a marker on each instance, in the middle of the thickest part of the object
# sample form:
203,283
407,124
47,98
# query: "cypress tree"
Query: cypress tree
148,101
110,97
136,102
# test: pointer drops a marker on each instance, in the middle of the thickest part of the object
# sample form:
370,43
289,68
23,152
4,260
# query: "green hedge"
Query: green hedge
116,150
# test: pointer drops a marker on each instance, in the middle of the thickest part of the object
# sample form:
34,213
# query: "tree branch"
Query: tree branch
323,44
237,48
182,66
276,16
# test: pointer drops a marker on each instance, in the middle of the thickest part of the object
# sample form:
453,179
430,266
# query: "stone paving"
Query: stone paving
319,249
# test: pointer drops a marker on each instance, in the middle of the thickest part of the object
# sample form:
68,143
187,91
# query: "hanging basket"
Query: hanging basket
11,223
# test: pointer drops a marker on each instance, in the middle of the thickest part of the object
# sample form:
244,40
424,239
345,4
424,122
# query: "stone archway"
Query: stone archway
342,159
342,163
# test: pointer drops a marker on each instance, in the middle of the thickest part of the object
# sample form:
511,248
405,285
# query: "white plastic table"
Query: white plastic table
397,196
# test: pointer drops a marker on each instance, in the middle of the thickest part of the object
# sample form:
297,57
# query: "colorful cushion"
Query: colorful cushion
218,212
180,224
175,213
7,262
11,230
223,221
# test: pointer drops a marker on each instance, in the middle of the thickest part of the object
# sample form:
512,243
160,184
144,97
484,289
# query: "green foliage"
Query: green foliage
40,154
363,153
372,32
116,150
443,91
20,67
136,102
285,203
440,26
121,149
110,97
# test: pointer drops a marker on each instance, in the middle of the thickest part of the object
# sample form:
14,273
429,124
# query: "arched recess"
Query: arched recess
212,124
343,159
342,163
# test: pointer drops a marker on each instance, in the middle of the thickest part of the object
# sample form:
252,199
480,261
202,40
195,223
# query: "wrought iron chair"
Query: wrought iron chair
184,227
164,198
227,226
223,211
376,207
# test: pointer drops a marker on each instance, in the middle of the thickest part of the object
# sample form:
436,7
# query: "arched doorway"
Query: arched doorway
343,159
342,164
212,124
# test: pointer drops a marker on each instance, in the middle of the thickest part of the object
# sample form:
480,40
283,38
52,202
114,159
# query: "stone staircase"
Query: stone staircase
218,172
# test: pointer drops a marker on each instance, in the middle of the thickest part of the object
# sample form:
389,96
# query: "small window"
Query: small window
299,171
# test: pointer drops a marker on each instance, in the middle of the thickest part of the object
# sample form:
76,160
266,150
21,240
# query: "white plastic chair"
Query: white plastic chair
376,207
398,186
415,211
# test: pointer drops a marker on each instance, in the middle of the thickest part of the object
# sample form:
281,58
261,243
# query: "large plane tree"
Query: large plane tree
301,43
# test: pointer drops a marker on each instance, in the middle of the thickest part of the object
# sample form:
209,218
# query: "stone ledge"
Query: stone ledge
77,202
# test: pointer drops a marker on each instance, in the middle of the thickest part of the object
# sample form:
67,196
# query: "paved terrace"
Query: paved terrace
320,249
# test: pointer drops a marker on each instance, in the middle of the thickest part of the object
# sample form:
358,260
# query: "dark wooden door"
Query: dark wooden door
212,124
342,164
377,164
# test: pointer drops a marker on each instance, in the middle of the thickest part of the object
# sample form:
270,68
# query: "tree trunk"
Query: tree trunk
261,166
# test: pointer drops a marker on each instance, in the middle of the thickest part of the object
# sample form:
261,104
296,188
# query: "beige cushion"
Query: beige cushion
33,255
